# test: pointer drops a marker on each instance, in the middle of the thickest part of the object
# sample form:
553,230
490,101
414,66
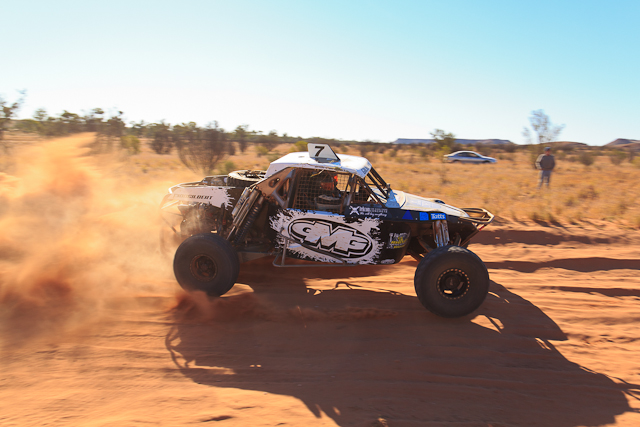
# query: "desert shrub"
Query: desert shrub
571,201
270,140
586,158
424,152
588,193
509,148
365,149
200,149
261,150
231,148
636,162
160,134
617,156
227,167
273,157
621,207
299,146
130,143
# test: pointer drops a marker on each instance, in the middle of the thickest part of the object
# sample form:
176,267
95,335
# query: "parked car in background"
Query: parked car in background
468,157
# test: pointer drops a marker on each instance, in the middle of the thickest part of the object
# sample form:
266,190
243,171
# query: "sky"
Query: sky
363,70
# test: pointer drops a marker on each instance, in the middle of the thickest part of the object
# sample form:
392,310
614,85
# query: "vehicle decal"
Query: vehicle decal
355,242
415,215
216,196
331,236
398,240
368,211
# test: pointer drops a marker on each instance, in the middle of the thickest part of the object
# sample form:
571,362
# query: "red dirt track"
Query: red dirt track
96,332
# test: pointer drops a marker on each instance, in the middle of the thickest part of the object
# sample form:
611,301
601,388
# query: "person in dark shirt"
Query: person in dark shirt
545,163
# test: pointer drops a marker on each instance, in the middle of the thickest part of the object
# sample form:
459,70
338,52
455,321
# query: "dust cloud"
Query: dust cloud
77,234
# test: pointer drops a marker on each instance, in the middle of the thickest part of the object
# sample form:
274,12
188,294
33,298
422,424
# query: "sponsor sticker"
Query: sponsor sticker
368,211
189,196
330,236
438,216
398,240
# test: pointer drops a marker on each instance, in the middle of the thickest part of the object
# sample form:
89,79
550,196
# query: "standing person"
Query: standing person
546,162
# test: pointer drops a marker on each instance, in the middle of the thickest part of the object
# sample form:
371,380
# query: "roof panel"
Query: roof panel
350,164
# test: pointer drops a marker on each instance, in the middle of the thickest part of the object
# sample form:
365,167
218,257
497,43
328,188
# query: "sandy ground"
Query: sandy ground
94,330
554,344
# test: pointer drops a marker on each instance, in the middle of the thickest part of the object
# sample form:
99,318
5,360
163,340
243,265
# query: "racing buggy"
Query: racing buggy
331,209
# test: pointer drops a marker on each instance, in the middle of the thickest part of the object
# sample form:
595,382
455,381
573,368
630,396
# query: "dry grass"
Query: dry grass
601,192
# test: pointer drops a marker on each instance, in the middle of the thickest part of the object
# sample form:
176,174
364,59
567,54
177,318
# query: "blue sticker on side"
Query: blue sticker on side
407,215
438,216
424,216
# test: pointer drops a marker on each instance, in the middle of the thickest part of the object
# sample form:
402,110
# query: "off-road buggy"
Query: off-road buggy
332,209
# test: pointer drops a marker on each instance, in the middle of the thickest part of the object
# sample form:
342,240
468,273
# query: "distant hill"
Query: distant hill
622,143
568,144
459,141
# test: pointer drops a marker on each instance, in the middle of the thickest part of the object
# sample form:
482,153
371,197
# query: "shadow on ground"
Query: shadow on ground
360,355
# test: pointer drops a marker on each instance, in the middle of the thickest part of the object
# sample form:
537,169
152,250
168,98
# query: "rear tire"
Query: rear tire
451,281
208,263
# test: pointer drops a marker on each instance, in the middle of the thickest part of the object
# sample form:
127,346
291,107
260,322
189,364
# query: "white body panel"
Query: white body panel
351,164
216,196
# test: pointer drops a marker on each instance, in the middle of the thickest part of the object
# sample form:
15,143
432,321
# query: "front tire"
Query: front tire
451,281
208,263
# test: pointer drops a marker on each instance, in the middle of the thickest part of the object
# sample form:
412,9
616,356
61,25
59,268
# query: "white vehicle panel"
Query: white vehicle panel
346,163
216,196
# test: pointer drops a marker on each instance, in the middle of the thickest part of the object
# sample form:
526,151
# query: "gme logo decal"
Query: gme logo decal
331,236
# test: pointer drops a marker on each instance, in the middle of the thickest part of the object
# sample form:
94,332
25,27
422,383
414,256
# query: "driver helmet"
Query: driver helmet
328,182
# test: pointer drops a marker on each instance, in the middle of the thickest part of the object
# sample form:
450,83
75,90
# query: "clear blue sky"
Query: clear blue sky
376,70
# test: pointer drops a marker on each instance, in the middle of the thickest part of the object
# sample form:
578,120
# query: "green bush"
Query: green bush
586,158
227,167
130,143
299,147
617,156
262,150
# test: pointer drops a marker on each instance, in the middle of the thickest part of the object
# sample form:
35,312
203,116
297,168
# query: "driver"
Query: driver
329,196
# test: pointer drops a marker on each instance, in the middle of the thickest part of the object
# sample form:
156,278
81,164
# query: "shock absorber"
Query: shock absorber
441,233
245,214
251,218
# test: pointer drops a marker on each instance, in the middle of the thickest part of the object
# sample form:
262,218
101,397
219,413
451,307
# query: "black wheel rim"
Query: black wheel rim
203,268
453,284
